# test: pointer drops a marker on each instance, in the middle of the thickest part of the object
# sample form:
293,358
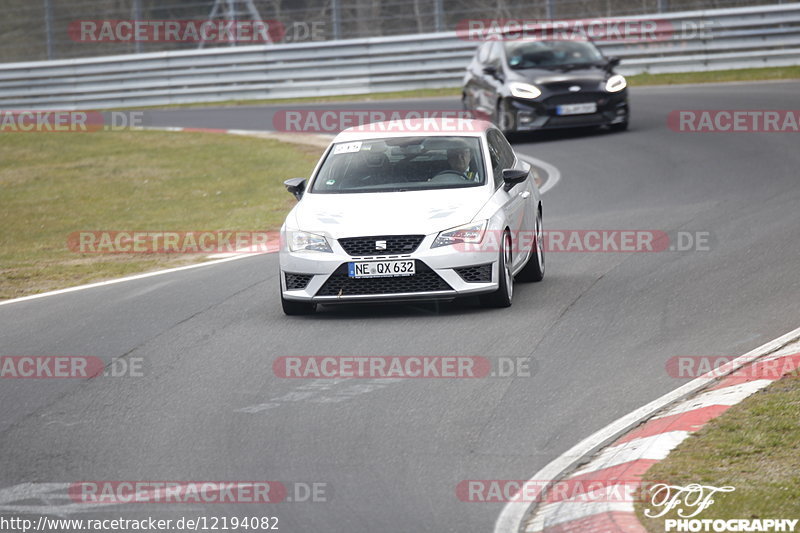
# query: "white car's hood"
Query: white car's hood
389,213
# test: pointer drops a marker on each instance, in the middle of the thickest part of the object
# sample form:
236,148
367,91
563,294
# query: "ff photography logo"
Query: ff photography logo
693,499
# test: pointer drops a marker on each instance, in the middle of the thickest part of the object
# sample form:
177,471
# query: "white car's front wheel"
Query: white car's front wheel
505,291
534,268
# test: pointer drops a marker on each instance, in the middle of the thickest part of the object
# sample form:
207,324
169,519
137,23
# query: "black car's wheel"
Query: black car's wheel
622,126
534,269
505,291
505,119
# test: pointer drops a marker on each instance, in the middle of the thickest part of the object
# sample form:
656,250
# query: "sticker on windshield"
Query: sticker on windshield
347,148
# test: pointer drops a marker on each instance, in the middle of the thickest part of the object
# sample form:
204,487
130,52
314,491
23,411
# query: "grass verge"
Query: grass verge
754,447
638,80
53,184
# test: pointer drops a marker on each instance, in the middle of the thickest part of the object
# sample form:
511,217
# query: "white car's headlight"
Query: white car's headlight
524,90
616,83
471,233
301,241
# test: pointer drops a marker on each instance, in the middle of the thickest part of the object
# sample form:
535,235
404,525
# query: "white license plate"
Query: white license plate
380,269
577,109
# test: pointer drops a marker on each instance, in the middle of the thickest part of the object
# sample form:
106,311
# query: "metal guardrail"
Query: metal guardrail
739,38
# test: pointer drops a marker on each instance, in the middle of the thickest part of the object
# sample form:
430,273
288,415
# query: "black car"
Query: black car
545,84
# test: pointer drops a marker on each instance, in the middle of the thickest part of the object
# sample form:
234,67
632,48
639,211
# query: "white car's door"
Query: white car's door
517,205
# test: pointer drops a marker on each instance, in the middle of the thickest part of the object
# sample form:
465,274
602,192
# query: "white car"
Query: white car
395,213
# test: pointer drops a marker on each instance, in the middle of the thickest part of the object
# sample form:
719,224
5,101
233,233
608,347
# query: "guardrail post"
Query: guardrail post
336,20
48,27
137,15
438,15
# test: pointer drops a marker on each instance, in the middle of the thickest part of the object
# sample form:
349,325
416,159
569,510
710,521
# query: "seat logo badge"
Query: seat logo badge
380,245
575,88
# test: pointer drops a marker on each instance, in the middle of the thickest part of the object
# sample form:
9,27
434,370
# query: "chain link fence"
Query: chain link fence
33,30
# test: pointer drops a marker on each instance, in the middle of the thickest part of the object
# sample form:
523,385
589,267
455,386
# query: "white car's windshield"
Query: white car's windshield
401,164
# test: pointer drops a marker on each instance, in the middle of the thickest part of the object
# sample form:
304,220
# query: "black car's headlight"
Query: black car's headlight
524,90
616,83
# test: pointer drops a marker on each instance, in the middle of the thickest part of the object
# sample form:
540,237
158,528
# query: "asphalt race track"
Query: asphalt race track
600,329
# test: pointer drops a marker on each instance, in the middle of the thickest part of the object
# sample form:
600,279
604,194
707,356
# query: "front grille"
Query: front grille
476,274
576,98
595,119
424,280
297,282
395,245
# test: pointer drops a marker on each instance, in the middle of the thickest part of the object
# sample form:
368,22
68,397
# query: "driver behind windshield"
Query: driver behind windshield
458,158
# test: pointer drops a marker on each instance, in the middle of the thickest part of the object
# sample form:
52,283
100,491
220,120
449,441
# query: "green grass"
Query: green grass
367,97
53,184
639,80
750,74
754,447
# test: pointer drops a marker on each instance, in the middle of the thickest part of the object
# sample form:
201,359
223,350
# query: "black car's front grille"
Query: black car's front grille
394,245
297,282
576,98
424,280
476,274
578,120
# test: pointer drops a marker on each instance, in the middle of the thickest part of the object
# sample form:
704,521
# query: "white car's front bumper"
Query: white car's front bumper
437,275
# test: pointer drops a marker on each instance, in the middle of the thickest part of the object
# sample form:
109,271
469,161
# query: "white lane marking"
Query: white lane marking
322,391
553,174
654,447
512,515
128,278
554,514
727,396
44,499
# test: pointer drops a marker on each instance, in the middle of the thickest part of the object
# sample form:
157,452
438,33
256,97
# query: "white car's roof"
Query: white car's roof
416,127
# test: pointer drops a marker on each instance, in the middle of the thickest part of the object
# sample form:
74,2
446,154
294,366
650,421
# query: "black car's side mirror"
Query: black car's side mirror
296,186
513,176
613,62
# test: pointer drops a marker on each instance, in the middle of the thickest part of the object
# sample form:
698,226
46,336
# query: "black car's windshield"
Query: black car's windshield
401,164
552,54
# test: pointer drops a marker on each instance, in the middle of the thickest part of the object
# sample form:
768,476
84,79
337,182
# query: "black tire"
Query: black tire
295,308
503,296
534,269
622,126
505,120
